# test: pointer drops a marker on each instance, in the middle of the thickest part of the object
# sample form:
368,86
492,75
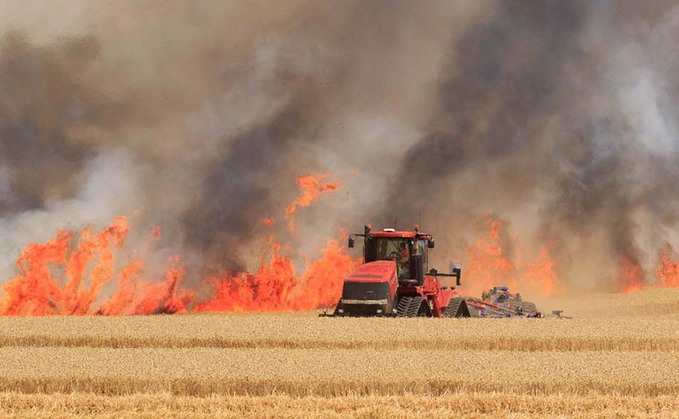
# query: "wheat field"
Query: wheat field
617,357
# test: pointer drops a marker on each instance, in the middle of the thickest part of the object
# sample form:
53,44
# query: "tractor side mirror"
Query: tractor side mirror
431,243
456,271
350,242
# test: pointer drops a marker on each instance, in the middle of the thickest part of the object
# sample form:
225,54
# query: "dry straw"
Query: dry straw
616,362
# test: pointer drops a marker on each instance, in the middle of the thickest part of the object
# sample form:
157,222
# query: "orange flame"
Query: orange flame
276,287
312,187
35,291
124,294
63,277
77,298
324,277
632,276
164,297
540,274
488,263
667,270
86,269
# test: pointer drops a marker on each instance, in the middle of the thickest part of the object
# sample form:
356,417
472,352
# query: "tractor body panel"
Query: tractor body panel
370,289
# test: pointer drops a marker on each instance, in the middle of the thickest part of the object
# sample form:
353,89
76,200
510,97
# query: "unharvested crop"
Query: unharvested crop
618,356
373,406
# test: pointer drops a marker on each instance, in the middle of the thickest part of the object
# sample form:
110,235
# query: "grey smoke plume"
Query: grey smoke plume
555,116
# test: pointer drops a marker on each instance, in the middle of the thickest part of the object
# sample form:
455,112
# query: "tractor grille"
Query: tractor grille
366,293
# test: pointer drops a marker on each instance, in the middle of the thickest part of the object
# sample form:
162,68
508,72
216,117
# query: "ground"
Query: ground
616,357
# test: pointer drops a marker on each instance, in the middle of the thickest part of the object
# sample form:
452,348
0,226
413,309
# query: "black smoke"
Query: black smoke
529,113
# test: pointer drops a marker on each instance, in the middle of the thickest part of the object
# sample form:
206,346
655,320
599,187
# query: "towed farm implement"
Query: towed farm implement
498,302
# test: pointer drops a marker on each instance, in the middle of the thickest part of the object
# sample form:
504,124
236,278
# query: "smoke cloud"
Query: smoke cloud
557,117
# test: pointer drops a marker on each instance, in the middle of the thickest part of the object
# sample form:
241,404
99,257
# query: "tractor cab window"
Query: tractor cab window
395,249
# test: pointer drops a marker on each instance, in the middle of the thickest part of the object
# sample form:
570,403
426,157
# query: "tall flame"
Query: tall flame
540,274
668,268
87,272
164,297
489,263
59,277
68,275
35,291
666,272
632,276
312,187
276,287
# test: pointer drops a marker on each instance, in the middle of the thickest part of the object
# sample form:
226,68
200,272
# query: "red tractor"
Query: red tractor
393,281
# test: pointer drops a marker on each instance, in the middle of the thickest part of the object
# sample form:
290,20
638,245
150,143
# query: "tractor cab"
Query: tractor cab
409,249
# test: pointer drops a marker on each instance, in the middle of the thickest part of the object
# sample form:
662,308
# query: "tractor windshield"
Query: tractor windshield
395,249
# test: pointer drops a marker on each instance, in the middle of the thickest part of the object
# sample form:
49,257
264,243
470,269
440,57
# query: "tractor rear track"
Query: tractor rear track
409,306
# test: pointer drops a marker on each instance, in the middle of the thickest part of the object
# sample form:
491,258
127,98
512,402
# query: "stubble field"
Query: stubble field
617,357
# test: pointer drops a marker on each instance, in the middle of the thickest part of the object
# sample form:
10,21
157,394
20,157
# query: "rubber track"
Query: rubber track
402,307
457,307
409,306
415,305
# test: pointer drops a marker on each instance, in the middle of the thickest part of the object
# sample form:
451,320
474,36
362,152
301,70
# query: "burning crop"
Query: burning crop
496,258
490,262
668,268
276,287
86,272
68,274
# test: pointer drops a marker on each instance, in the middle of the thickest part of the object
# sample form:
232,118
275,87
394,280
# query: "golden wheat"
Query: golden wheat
372,406
286,330
288,364
202,371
